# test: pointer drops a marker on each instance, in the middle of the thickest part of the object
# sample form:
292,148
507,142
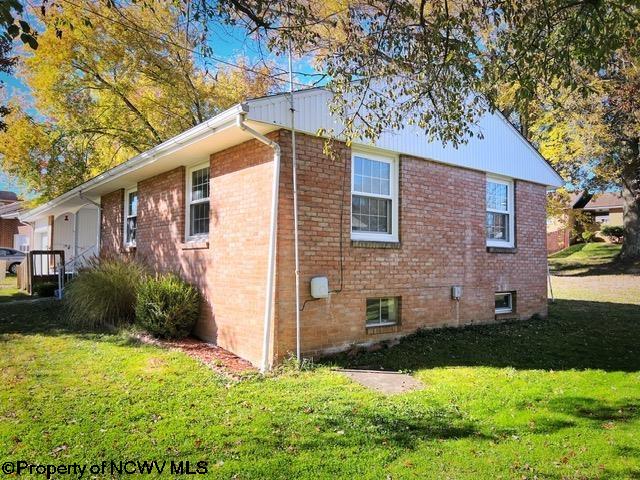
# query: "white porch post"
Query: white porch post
75,236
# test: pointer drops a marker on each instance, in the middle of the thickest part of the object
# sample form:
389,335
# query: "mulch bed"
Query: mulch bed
216,358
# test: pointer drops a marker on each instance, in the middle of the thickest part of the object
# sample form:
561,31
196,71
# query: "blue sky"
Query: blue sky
5,183
227,43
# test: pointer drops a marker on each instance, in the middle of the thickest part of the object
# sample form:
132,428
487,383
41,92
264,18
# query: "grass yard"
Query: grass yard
9,289
585,258
554,399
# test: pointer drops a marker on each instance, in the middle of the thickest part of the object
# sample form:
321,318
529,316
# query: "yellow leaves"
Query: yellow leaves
116,82
571,129
21,147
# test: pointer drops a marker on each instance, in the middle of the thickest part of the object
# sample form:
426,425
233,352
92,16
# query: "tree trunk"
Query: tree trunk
631,204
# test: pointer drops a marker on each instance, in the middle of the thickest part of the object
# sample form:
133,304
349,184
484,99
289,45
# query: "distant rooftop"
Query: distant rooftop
6,196
10,209
588,201
607,199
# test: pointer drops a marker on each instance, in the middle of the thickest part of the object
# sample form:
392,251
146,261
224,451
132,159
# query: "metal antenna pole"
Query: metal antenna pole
550,286
295,205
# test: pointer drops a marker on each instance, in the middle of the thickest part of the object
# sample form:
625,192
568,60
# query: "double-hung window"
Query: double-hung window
374,197
500,213
197,224
130,217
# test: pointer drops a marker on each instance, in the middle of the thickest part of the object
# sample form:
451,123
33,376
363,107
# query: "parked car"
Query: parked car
13,258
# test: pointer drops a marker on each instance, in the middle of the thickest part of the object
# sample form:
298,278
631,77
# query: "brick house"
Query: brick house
9,224
585,210
384,231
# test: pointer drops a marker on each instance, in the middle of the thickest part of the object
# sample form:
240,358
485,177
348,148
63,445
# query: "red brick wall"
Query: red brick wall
160,225
442,215
8,228
111,225
230,269
557,240
241,199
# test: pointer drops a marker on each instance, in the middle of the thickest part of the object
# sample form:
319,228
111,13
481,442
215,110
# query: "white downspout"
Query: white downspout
273,223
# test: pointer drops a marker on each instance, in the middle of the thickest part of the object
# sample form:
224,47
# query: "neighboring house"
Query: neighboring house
10,205
584,209
391,226
602,208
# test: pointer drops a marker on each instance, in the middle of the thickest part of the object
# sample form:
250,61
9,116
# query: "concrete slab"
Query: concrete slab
382,381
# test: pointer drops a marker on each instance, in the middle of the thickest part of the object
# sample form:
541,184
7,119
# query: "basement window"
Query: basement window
382,311
504,302
198,202
130,217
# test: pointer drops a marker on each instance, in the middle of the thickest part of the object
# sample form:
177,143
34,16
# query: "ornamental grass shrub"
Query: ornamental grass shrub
167,307
104,293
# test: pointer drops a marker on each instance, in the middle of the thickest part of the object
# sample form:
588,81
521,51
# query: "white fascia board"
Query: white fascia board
219,122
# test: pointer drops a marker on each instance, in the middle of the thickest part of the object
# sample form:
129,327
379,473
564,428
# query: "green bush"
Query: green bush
167,307
104,293
615,233
589,237
45,289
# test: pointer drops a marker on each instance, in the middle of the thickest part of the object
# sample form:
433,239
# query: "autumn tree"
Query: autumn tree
441,64
109,81
12,27
7,62
593,139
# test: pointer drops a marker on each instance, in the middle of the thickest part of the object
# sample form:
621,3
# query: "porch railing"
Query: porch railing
72,266
49,266
43,266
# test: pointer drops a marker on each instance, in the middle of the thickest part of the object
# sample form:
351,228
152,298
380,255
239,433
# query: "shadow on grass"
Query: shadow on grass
388,423
589,259
597,410
403,425
9,290
46,317
582,269
577,335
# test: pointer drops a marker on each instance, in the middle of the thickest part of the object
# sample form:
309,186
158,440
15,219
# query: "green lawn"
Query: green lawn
554,399
9,289
585,258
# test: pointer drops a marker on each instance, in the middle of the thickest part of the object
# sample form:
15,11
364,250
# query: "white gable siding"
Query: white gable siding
502,151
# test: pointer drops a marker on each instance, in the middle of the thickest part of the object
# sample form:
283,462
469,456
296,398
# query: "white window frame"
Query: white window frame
188,203
383,324
393,196
492,242
127,215
508,309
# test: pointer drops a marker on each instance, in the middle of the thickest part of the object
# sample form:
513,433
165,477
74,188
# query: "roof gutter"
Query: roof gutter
270,280
217,123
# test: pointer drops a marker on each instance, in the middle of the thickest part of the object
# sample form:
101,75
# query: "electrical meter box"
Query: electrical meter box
456,292
319,287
